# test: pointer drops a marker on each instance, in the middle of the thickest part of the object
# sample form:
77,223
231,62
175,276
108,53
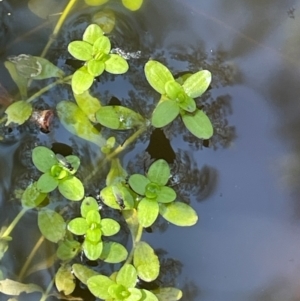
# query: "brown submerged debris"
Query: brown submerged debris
43,119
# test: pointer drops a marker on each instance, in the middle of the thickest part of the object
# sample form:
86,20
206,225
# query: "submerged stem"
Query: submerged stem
14,223
135,240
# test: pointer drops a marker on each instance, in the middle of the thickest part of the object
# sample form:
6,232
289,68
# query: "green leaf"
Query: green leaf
117,173
65,280
119,118
146,262
32,197
127,276
159,172
99,286
51,225
164,113
43,158
147,212
76,122
166,195
132,222
78,226
93,235
68,249
92,33
95,67
198,124
15,288
197,83
18,112
88,204
158,75
95,2
106,19
188,104
93,217
138,183
88,104
82,80
71,188
101,47
75,163
46,183
48,69
20,81
92,250
46,8
168,294
116,64
179,214
82,272
109,227
149,296
174,90
113,252
81,50
132,4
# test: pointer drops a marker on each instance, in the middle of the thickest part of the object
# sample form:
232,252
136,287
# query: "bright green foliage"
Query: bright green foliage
51,225
146,262
94,50
18,112
68,249
153,188
113,252
178,98
121,288
93,227
57,174
129,4
32,197
65,280
168,294
119,118
82,272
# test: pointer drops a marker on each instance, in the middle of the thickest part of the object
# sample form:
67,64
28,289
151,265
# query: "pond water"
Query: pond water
243,183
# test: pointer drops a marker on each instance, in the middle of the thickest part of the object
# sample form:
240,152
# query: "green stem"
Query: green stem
47,88
58,26
135,240
46,293
14,223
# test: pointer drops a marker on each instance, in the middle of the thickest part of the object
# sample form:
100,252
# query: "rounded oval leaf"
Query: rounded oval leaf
166,195
82,80
109,227
164,113
88,204
127,276
138,183
71,188
46,183
159,172
99,286
92,33
179,214
157,75
101,47
47,69
68,249
95,67
116,64
198,124
147,212
132,4
43,158
92,250
65,280
106,19
18,112
168,293
81,50
51,225
32,197
78,226
82,272
113,252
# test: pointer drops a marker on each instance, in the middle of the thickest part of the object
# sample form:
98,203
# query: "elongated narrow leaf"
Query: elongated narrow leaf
157,76
159,172
76,122
116,64
82,80
198,124
71,188
164,113
18,112
92,33
51,225
197,83
132,4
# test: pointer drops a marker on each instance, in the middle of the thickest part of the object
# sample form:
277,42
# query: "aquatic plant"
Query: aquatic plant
139,198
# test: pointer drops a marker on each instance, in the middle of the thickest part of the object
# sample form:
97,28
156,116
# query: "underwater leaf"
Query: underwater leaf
95,67
48,69
198,124
179,214
157,76
71,188
106,19
46,8
166,195
76,122
51,225
99,286
113,252
109,227
32,197
164,113
43,158
65,280
88,204
119,118
82,272
81,50
138,183
132,4
146,262
75,163
78,226
68,249
168,294
15,288
116,173
95,2
147,212
88,104
46,183
197,83
127,276
159,172
92,250
101,48
92,33
82,80
116,64
18,112
20,81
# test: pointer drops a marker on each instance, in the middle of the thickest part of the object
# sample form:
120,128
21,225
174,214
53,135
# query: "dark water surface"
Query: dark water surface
244,185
